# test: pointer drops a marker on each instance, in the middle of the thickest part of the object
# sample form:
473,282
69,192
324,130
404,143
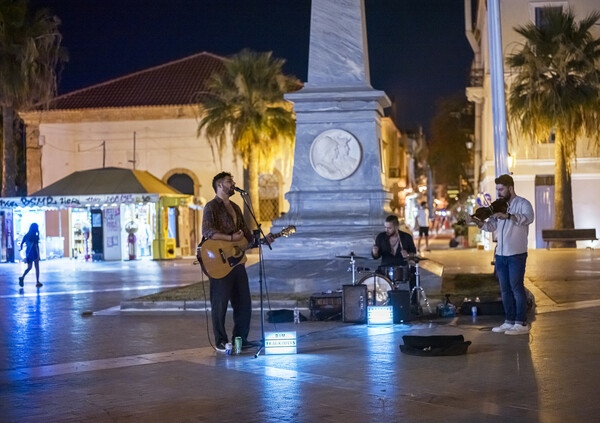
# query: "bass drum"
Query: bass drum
378,284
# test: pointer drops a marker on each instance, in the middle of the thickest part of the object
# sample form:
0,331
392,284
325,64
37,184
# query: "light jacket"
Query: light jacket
512,233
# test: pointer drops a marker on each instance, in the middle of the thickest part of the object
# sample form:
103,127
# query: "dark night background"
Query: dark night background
418,51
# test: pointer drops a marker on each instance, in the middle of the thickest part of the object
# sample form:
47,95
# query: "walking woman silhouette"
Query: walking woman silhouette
32,253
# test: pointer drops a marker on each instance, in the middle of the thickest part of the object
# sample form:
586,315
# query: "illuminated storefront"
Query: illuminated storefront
149,225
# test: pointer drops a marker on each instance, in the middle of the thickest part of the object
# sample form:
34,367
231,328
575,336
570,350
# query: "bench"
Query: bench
549,235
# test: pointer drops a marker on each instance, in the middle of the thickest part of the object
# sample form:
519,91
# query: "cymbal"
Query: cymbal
351,256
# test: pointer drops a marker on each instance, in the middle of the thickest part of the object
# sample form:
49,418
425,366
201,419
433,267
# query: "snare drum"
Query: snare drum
397,274
378,283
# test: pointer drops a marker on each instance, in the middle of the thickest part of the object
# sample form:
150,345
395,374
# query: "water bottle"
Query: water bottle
296,315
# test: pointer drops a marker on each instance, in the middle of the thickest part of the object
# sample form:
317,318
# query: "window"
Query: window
539,11
182,182
551,138
268,195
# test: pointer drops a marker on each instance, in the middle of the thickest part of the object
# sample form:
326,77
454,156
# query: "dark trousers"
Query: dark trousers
233,287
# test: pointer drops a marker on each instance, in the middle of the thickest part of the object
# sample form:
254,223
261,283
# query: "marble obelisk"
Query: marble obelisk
337,199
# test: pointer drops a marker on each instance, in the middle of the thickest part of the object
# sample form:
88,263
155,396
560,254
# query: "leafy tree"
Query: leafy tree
247,105
556,88
30,50
451,130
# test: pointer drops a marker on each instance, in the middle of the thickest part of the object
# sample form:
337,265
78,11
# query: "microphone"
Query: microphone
241,191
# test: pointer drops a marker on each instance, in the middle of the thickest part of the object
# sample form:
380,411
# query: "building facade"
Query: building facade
532,164
148,121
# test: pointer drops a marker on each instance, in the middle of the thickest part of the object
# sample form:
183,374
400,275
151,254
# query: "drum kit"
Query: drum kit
395,277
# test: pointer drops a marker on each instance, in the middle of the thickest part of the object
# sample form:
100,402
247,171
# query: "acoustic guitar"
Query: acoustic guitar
218,258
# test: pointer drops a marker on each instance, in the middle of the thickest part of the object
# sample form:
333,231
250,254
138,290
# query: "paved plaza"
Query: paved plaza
58,363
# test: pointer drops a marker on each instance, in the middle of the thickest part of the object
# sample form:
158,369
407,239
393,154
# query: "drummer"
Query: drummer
393,246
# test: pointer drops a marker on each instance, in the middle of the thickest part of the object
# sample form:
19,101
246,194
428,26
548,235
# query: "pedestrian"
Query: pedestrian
32,253
422,222
512,230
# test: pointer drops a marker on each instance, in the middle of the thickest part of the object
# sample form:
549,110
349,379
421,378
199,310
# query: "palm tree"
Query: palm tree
247,104
29,54
556,88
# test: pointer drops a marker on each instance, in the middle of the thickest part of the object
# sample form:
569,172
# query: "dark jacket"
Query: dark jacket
385,249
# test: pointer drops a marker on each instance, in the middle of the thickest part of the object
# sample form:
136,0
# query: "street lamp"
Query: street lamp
511,161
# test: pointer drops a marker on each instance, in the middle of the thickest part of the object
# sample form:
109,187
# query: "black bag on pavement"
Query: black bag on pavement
436,345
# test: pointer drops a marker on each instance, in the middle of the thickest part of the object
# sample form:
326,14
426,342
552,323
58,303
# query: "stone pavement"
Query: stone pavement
56,365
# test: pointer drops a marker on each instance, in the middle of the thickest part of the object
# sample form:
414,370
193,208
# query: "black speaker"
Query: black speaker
400,301
326,306
354,303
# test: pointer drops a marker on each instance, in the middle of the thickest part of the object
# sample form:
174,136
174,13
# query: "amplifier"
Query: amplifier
400,301
326,306
485,307
354,304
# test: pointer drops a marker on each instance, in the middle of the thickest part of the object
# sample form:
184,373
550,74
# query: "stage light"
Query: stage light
280,343
380,315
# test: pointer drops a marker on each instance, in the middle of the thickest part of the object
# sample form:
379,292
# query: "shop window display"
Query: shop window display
23,218
81,235
141,217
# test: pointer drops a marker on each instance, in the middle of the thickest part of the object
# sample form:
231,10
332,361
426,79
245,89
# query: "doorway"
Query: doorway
544,207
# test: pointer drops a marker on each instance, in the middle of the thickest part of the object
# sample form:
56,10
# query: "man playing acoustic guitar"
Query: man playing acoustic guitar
223,221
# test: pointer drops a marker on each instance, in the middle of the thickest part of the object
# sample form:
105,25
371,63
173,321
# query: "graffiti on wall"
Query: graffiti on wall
76,200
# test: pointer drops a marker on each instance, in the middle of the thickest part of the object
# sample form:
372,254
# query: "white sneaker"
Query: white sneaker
518,329
502,328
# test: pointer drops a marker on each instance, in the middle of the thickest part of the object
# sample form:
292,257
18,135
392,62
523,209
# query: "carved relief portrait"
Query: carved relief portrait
335,154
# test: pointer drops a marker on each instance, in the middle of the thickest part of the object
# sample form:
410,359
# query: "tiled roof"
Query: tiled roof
174,83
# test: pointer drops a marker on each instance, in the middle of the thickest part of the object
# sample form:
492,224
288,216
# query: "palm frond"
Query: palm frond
556,80
248,104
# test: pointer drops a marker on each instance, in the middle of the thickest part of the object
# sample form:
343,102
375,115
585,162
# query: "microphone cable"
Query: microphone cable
203,282
262,264
206,315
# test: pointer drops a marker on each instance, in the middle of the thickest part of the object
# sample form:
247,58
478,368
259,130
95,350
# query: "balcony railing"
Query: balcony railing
476,77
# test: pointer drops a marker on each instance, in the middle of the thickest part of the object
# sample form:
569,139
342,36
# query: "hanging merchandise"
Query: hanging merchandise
131,228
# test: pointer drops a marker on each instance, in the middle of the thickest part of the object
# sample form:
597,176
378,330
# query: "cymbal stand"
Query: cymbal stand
353,268
420,292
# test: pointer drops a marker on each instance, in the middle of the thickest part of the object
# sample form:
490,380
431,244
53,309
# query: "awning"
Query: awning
110,180
99,187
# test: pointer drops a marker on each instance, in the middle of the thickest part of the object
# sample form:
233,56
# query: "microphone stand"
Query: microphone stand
260,273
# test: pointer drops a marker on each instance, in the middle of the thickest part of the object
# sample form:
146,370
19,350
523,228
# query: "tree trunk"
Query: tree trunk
253,188
9,159
563,198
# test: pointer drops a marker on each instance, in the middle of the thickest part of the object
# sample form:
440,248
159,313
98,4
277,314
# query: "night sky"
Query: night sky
418,51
